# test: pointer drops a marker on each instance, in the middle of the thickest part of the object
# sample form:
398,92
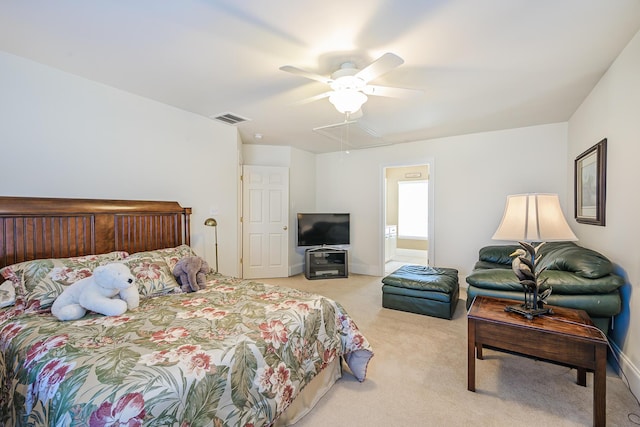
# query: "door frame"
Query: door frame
430,162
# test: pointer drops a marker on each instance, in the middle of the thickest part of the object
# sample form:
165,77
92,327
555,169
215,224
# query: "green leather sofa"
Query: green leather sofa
579,277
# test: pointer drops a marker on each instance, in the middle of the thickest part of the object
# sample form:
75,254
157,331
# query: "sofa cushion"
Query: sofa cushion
560,281
567,256
484,265
500,254
596,305
575,284
421,278
501,279
562,256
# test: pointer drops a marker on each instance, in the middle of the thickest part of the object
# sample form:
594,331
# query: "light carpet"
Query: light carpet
418,376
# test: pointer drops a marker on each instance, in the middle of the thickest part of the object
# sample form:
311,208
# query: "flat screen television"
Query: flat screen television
323,229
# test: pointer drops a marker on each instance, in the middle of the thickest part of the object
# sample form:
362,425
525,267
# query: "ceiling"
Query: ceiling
480,65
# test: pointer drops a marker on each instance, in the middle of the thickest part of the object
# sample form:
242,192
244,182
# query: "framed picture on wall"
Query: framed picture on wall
590,184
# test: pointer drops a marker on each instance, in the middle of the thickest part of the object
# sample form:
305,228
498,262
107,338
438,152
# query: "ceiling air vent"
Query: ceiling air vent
230,118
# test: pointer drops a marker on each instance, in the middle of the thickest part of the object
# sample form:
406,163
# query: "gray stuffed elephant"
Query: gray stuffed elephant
191,273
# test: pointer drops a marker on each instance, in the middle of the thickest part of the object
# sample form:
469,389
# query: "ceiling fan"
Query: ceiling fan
350,85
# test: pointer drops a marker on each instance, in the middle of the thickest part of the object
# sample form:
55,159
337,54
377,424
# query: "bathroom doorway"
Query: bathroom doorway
407,219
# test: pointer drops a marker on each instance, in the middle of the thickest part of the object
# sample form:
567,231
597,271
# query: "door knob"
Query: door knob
284,227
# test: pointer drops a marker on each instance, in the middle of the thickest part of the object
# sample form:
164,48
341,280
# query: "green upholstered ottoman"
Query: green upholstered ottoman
423,290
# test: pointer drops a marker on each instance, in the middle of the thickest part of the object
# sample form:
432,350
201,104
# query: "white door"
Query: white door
265,220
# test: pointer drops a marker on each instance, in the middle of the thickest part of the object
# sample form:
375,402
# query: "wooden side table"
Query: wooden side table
567,337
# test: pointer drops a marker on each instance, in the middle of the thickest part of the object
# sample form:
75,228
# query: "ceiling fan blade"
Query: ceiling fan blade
313,98
299,72
380,66
391,92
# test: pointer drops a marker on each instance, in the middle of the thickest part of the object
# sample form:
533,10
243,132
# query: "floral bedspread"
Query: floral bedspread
234,354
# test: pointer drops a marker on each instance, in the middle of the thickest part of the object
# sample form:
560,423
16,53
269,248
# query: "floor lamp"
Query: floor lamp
210,222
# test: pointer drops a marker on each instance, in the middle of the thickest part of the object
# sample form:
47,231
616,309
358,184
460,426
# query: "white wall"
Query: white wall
64,136
472,175
302,171
612,111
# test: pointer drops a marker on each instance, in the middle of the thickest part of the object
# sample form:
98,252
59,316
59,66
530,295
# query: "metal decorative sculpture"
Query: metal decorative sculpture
524,266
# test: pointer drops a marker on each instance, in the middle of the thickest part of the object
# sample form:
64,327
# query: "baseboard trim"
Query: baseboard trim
296,269
411,253
629,370
366,269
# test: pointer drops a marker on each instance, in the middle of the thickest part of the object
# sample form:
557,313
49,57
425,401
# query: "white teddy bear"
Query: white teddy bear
97,292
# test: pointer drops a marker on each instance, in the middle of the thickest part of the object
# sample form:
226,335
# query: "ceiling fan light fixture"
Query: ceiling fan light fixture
347,82
347,100
350,85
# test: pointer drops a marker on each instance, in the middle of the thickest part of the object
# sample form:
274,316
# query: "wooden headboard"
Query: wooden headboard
33,228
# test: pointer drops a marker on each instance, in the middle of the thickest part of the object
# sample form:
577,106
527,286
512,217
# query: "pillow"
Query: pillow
154,269
152,274
42,280
173,255
7,294
12,273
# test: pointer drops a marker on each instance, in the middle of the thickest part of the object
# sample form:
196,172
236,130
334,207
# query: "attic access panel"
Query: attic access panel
352,134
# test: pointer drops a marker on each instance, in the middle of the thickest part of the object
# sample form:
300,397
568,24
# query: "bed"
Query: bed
239,353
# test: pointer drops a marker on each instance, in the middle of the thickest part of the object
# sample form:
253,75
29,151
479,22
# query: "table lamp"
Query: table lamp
530,218
210,222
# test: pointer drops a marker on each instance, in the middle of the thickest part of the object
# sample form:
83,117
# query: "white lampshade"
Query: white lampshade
534,218
347,100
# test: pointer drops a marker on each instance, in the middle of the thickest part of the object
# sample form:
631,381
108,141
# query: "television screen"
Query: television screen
320,229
